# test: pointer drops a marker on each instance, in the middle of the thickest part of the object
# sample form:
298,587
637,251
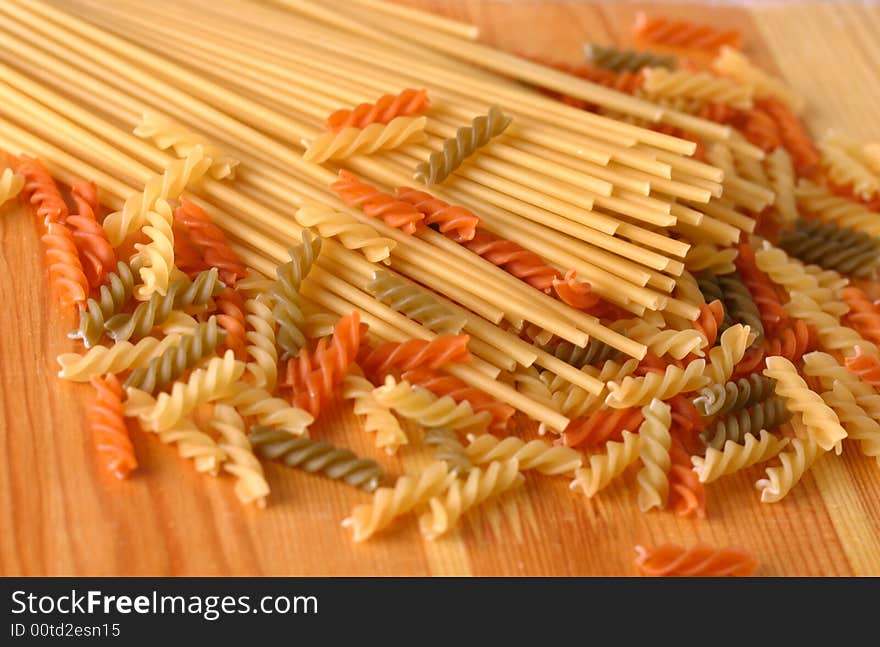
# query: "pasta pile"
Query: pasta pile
307,204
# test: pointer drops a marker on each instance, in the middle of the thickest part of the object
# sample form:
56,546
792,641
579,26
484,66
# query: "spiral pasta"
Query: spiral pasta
157,255
314,456
740,306
574,401
449,448
735,457
793,464
165,186
11,184
419,404
841,158
176,360
377,417
113,296
638,391
654,444
623,60
535,455
733,63
285,291
514,259
375,204
792,135
349,142
182,292
676,343
407,103
705,256
96,255
41,191
792,275
687,495
601,426
721,399
764,415
250,485
831,246
262,363
604,468
65,270
827,207
594,352
832,335
863,315
167,133
464,494
454,221
722,359
683,33
194,443
822,424
780,172
700,561
865,365
352,234
209,241
391,502
415,302
120,357
415,353
467,140
257,403
710,321
107,421
662,83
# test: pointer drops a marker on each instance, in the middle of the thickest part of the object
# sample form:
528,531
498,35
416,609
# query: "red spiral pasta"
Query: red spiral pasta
65,271
793,342
755,124
441,385
375,204
231,317
651,363
752,361
700,561
763,290
210,240
603,425
683,33
575,293
794,137
187,257
687,496
456,222
709,321
415,353
96,254
315,376
863,315
388,107
513,259
41,191
107,420
625,81
847,191
866,366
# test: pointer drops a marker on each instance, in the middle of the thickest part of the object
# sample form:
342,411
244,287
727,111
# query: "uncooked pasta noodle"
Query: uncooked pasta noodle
740,306
96,254
120,357
447,446
385,109
349,142
734,457
251,485
352,234
721,399
535,455
11,184
455,222
821,203
833,247
660,82
699,561
287,312
376,204
107,421
733,63
415,302
842,158
798,457
620,60
604,468
765,415
654,443
419,404
377,418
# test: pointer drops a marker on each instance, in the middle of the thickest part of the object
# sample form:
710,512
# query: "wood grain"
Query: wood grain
62,515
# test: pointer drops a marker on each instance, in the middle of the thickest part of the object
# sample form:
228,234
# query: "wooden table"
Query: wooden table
62,515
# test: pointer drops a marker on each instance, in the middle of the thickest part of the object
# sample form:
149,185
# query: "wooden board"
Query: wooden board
60,514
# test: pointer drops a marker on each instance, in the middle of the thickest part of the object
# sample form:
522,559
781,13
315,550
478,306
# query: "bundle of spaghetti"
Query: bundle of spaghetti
375,204
832,246
601,426
117,358
766,414
285,291
762,290
194,443
41,191
841,158
350,142
96,254
780,172
793,136
705,256
384,110
865,365
214,381
660,82
735,457
535,455
210,241
419,404
682,33
409,492
176,360
447,447
654,444
399,357
721,399
377,417
345,228
514,259
251,485
315,456
863,315
415,302
623,60
847,390
450,386
165,186
65,270
736,65
315,377
818,202
675,343
107,421
458,223
739,305
687,496
167,133
440,164
710,321
464,494
794,462
11,184
181,293
604,468
821,423
700,561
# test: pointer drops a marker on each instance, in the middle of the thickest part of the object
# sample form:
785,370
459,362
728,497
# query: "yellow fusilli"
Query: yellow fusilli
167,133
734,457
349,142
654,444
606,467
251,485
347,230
